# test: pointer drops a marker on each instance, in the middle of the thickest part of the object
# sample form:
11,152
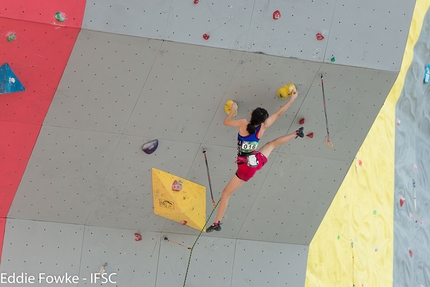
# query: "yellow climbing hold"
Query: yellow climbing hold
286,91
227,107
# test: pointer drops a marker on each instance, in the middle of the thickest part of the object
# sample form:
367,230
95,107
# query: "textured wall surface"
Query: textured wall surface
375,227
412,173
139,70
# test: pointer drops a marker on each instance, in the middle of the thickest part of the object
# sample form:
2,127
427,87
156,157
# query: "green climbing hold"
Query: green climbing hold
60,16
374,212
10,36
338,237
333,59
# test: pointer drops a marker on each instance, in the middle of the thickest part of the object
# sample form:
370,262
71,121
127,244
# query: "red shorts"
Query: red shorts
244,172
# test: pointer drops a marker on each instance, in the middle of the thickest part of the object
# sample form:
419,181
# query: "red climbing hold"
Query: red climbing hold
196,1
137,236
206,36
411,253
319,36
402,201
177,185
310,135
302,121
184,222
276,15
360,162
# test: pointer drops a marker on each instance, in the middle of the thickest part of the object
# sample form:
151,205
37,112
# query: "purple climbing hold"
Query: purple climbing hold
150,147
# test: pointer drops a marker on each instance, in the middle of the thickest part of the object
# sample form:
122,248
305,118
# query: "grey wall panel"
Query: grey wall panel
42,250
229,262
293,35
102,81
183,92
129,262
127,200
152,261
64,175
211,262
369,34
137,18
354,97
352,30
226,24
293,199
269,264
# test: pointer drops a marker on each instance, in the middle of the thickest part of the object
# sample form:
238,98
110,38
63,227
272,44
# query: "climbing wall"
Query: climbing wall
351,30
104,110
37,54
412,175
375,227
79,187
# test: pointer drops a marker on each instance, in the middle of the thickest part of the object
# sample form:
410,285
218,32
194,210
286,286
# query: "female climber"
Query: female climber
249,159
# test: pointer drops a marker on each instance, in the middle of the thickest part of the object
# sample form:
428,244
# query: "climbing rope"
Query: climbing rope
329,144
195,242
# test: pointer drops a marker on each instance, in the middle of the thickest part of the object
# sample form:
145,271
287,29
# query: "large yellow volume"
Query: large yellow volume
178,199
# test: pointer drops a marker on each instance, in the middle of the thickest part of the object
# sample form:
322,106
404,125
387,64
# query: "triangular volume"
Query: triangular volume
9,83
178,199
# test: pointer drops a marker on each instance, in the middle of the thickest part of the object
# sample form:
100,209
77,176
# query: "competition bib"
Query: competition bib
247,147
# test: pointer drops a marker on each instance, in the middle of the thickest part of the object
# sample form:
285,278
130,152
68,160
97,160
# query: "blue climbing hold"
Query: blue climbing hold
427,74
9,83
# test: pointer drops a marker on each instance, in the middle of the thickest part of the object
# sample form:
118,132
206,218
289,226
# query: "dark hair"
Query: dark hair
258,116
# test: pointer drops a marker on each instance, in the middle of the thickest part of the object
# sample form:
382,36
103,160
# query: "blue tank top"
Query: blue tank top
247,144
